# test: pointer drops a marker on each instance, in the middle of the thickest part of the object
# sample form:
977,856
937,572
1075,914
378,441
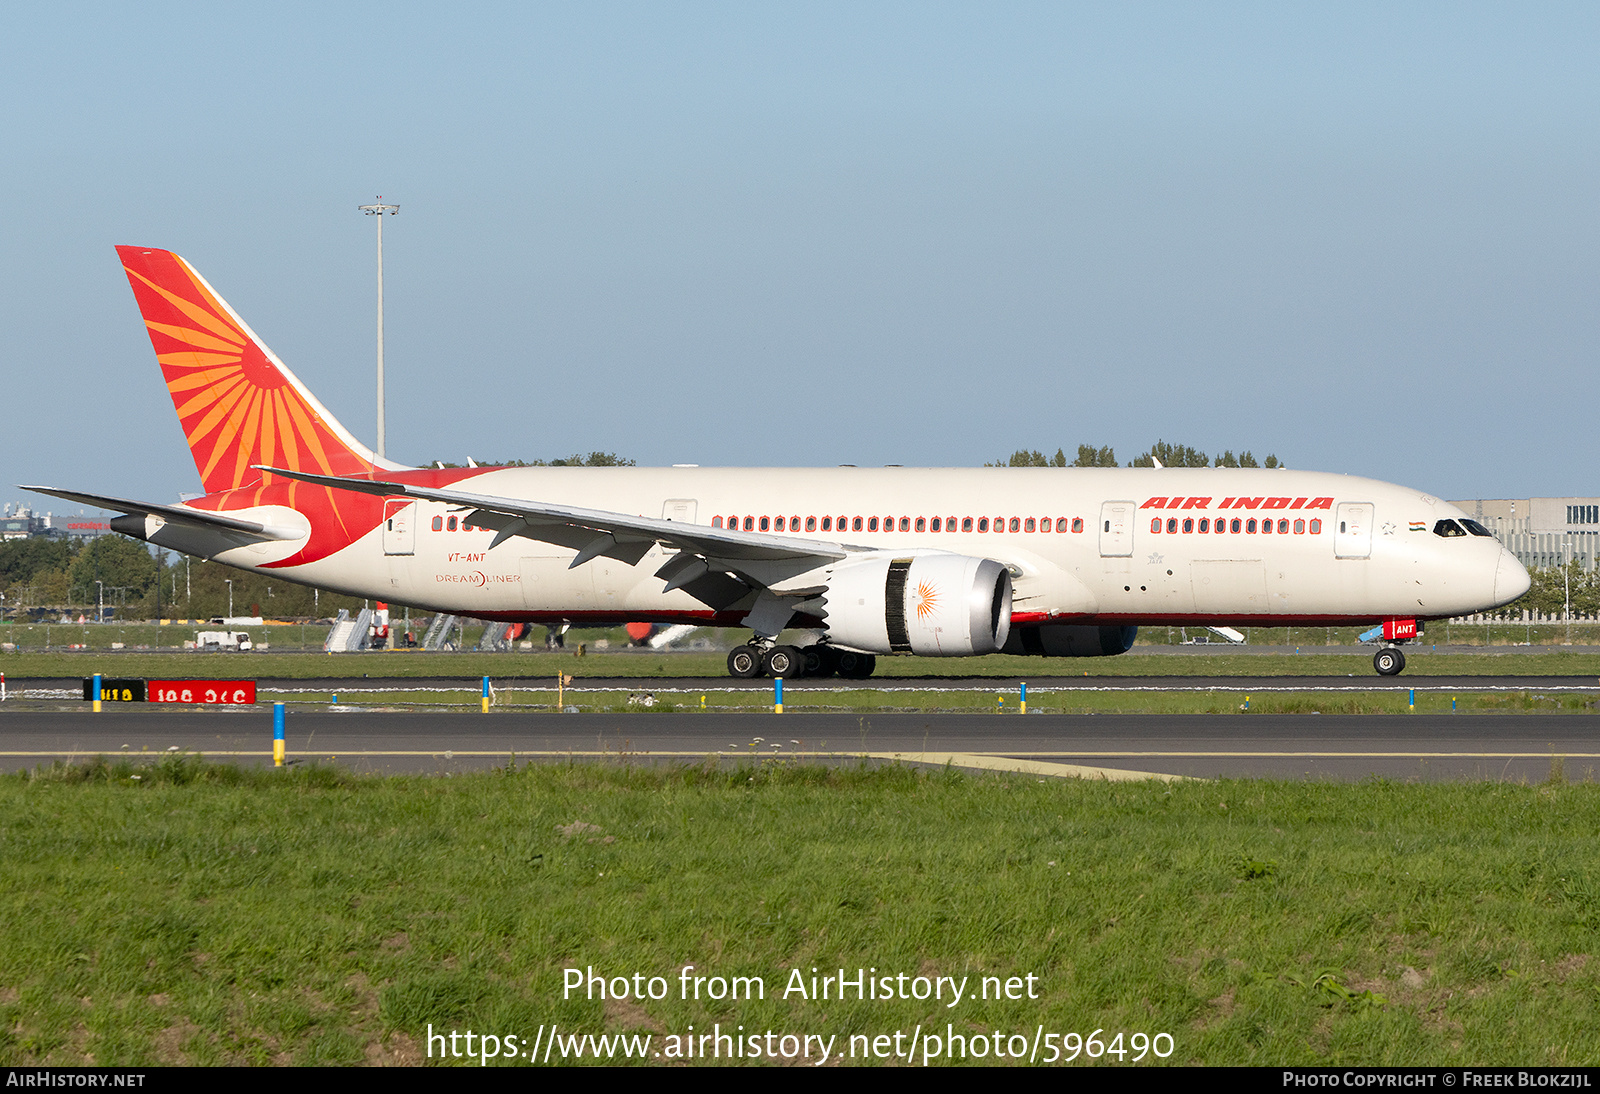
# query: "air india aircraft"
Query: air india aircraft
944,562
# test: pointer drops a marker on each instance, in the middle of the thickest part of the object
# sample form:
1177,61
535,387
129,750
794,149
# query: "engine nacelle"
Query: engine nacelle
926,602
1064,640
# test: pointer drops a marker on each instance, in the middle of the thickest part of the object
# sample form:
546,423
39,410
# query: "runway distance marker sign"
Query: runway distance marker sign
202,692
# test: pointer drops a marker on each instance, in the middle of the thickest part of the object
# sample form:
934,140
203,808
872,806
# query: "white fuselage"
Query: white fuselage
1101,559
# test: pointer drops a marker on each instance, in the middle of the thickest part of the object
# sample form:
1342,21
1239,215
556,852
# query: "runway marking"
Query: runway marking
1031,767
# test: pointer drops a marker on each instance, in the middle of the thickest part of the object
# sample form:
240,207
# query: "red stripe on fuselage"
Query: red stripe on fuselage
338,517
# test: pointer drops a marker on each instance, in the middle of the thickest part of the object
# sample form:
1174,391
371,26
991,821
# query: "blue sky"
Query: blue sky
1361,237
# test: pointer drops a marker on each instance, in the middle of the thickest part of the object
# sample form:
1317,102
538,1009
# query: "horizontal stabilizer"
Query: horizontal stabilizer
177,514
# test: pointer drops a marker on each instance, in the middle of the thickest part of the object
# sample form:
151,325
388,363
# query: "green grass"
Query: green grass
214,915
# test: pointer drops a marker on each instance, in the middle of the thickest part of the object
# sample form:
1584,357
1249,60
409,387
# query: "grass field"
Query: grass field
211,915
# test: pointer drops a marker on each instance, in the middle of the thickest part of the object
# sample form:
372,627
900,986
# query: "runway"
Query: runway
1299,746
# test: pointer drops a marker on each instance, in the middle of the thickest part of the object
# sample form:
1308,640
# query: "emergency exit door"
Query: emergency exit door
1116,529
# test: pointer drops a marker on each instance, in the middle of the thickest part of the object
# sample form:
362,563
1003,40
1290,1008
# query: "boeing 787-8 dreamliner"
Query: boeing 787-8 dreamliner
947,562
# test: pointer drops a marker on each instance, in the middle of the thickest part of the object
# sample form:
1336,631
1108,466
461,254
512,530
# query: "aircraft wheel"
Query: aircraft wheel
856,666
785,661
744,662
1389,662
819,660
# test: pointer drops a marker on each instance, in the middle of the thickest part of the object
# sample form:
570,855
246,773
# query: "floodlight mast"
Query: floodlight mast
378,211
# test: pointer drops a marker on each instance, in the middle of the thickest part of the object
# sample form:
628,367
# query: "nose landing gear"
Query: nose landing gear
1389,661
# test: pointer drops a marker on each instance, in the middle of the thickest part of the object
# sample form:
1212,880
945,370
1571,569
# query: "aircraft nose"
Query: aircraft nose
1511,578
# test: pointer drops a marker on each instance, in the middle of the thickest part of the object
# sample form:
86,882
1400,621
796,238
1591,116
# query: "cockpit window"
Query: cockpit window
1448,529
1475,528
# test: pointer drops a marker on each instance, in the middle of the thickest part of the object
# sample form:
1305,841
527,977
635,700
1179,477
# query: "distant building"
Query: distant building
1542,532
21,523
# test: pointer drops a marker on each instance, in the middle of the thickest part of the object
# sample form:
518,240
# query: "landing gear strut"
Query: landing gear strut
1389,661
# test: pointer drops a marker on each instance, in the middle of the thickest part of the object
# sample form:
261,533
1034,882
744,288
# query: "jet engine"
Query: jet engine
1066,640
928,602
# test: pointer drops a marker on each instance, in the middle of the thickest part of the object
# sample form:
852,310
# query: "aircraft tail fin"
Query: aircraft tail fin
238,404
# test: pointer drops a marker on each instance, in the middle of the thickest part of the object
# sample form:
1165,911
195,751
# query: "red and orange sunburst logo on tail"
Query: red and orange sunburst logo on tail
238,405
927,599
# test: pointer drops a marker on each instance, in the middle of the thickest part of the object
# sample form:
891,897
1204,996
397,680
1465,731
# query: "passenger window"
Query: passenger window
794,523
922,524
766,524
1016,525
716,522
936,525
872,524
949,524
1077,524
750,523
438,524
1172,524
827,524
1061,524
811,524
888,524
1155,524
1027,525
1299,527
778,524
1188,525
966,524
1316,527
855,525
1234,525
905,524
1283,526
983,524
1449,529
1266,527
1249,525
1205,524
450,525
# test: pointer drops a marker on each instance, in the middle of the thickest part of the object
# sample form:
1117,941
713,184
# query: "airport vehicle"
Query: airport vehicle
223,640
869,561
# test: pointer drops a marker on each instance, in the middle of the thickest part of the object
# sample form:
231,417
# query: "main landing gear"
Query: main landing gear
1389,661
792,662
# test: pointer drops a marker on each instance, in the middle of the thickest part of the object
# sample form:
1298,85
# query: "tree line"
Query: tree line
71,575
1168,455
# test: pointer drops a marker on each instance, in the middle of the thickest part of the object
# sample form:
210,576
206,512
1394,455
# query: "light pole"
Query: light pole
1566,580
229,580
378,211
100,601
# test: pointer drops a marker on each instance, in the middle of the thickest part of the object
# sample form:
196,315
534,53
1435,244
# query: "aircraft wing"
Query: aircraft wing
177,514
759,559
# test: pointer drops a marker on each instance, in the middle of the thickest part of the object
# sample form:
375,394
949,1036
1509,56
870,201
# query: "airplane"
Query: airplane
866,562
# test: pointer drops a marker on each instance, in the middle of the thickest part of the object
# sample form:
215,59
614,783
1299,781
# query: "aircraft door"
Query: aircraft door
399,527
1116,529
679,509
1352,530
